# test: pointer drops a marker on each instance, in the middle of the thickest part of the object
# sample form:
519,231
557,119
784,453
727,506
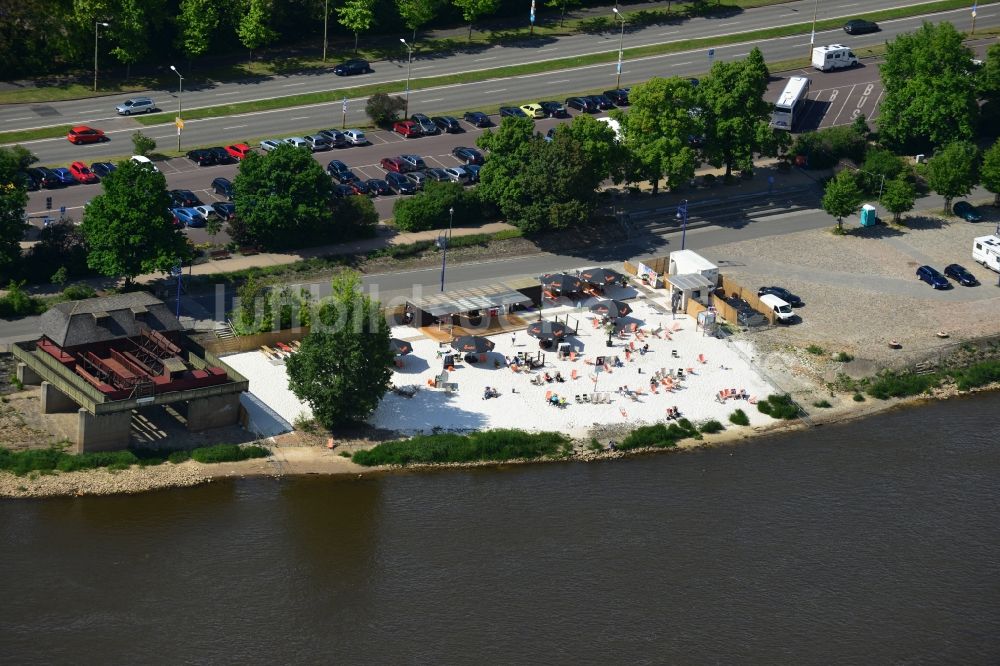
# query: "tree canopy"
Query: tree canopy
842,197
197,22
13,199
357,16
128,228
343,367
417,13
254,28
990,171
472,10
953,171
898,197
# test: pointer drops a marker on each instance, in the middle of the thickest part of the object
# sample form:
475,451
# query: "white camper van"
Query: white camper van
781,309
834,56
789,107
986,251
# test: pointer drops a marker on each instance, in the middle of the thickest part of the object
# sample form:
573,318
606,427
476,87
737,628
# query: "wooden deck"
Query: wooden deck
447,333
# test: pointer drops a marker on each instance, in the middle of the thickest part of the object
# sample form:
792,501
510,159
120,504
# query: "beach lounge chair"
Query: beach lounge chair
515,368
676,327
680,373
573,374
577,398
624,413
690,371
572,356
701,358
586,398
548,396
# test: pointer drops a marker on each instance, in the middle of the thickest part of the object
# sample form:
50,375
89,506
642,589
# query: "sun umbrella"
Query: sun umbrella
472,344
602,276
400,346
561,282
547,330
610,308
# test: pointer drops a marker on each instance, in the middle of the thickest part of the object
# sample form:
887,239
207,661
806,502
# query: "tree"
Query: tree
898,197
143,144
356,16
564,5
343,367
842,197
282,198
930,97
254,28
429,208
989,172
197,21
658,130
475,9
880,166
953,171
602,148
416,13
735,115
128,228
13,199
384,110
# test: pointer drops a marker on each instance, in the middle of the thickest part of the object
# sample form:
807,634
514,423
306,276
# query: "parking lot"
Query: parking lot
835,98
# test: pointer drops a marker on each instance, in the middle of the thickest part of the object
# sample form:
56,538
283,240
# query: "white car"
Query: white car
355,137
267,145
298,142
457,174
144,161
206,211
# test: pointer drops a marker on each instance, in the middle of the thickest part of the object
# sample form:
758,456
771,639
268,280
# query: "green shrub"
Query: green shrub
494,445
712,426
815,349
594,445
78,292
740,418
825,147
778,407
429,208
890,384
843,357
658,436
18,303
978,374
858,397
177,457
822,404
229,453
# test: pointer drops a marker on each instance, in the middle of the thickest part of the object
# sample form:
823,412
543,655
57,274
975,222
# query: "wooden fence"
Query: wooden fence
245,343
730,287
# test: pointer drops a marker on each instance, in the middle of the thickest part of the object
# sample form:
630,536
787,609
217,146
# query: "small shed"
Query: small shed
692,276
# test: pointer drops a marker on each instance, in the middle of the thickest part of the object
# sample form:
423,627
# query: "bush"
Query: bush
822,404
177,457
384,110
979,374
880,162
492,445
825,147
858,397
78,292
59,244
890,384
712,426
429,208
740,418
659,436
815,349
843,357
229,453
779,407
18,303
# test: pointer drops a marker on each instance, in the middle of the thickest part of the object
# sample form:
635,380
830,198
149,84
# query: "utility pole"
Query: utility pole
621,42
105,24
812,36
326,18
409,61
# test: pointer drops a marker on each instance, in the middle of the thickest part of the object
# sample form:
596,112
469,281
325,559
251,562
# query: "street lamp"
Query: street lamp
96,25
409,61
443,242
812,37
326,18
180,91
621,41
682,214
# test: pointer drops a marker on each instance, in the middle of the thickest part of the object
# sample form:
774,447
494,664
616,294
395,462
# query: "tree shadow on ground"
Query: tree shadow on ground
923,223
876,232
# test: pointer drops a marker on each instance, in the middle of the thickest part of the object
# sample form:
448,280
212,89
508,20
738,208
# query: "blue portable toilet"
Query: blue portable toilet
868,216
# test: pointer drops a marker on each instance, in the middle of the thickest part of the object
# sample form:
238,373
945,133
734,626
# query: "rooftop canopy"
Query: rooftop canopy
690,282
458,301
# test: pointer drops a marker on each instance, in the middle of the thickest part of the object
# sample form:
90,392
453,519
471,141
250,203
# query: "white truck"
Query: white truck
834,56
986,251
789,107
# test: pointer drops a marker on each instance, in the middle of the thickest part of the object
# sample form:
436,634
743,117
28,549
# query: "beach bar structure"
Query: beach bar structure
102,358
475,307
691,276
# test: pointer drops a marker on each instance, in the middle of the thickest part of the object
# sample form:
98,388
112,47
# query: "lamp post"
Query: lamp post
326,18
621,42
97,24
682,214
812,36
409,61
180,91
443,242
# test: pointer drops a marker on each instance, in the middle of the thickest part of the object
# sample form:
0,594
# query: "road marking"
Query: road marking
669,32
289,85
490,92
416,69
301,118
90,111
561,81
681,64
428,101
233,127
24,118
853,4
550,48
234,92
485,59
43,212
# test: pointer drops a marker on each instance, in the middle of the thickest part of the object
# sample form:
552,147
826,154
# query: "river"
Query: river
873,542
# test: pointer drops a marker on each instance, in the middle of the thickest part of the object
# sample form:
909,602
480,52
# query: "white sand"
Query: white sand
522,405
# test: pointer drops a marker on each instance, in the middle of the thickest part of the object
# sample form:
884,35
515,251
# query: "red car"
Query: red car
239,150
407,128
82,173
393,164
84,134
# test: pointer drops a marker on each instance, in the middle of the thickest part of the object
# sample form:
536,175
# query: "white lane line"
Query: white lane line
681,64
485,59
552,83
669,32
90,111
234,92
427,101
490,92
550,48
22,118
233,127
43,212
289,85
301,118
853,4
417,69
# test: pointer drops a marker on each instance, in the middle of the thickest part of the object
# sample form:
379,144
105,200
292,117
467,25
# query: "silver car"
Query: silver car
417,178
318,142
355,137
457,174
267,145
136,105
298,142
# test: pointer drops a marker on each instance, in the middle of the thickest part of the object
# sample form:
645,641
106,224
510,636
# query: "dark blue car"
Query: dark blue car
64,175
400,184
932,277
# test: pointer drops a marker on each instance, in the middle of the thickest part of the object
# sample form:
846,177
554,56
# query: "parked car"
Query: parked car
144,161
550,134
188,217
206,211
860,27
201,157
355,137
393,164
224,187
336,166
603,102
342,191
960,275
447,124
783,294
477,119
359,186
378,187
31,183
417,178
413,162
238,150
221,155
438,174
512,112
533,110
967,211
267,145
554,109
473,171
102,169
298,142
467,155
82,173
457,174
400,184
226,210
45,177
336,138
619,96
932,277
318,142
136,105
352,66
84,134
64,175
427,126
345,177
582,104
407,129
184,199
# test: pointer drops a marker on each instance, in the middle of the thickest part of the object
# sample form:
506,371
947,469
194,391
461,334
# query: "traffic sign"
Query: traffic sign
179,122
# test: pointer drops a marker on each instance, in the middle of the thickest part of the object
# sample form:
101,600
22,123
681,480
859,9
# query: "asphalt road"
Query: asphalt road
484,95
472,58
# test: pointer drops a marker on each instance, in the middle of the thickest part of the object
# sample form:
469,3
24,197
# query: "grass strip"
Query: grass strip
490,445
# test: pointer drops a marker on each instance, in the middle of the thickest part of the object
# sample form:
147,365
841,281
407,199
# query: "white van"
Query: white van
986,251
834,56
782,310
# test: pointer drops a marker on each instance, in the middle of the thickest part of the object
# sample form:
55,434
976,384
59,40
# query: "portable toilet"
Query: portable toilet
868,215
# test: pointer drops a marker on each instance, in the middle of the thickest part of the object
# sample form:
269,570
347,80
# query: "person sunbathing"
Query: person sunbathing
559,377
548,378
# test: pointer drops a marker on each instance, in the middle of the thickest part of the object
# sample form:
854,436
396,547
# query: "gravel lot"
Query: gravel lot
860,290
